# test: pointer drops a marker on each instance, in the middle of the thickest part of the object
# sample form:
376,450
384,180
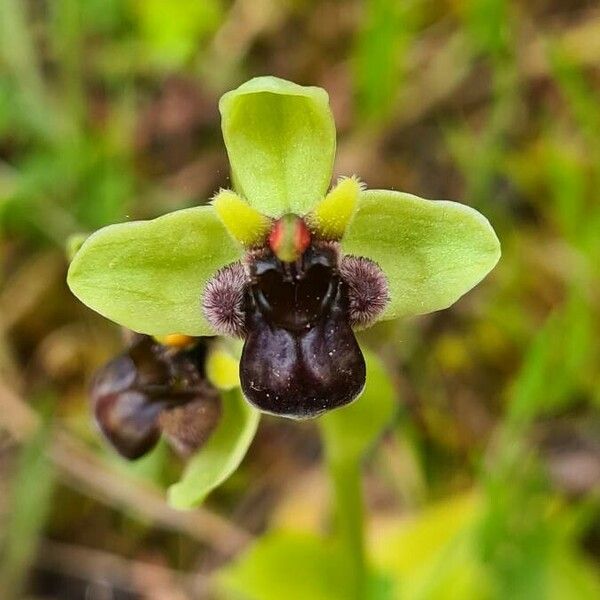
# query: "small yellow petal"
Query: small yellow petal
244,223
175,340
222,369
331,216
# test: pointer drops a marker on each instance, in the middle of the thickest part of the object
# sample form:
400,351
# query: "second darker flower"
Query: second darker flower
152,389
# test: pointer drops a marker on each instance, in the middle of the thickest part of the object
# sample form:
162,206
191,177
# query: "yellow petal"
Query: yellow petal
175,340
331,216
244,223
222,369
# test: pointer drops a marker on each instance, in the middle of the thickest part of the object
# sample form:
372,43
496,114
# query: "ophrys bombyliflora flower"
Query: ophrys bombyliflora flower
281,262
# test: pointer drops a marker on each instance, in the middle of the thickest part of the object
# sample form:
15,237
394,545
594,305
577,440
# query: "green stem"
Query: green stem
349,518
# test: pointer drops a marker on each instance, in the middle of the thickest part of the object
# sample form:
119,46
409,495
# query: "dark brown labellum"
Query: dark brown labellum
300,357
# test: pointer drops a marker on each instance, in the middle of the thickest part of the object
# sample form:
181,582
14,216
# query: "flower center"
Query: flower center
289,238
295,295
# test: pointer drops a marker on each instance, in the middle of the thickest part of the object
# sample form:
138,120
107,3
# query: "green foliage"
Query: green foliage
74,186
583,102
221,455
572,576
288,565
172,31
29,506
280,139
556,368
431,252
297,565
388,28
565,173
488,24
486,546
433,556
149,275
569,181
63,175
17,52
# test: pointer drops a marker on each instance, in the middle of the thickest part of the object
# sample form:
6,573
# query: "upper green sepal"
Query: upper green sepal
432,252
280,139
149,276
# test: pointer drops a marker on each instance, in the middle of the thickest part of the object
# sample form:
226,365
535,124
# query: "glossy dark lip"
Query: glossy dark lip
274,283
300,356
314,397
298,319
286,368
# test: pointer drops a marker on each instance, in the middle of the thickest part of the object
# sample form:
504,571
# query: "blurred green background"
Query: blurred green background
487,485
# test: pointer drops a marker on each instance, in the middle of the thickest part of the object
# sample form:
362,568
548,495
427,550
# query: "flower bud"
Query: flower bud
124,412
150,388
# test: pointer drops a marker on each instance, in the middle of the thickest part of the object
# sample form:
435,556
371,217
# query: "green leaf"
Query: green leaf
572,576
172,30
432,252
384,40
280,139
221,455
551,375
432,554
30,502
294,566
149,275
350,431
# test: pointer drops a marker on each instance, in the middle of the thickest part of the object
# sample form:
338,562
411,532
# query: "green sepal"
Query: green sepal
280,139
149,276
432,252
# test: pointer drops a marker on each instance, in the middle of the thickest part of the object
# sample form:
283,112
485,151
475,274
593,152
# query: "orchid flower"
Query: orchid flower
283,261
